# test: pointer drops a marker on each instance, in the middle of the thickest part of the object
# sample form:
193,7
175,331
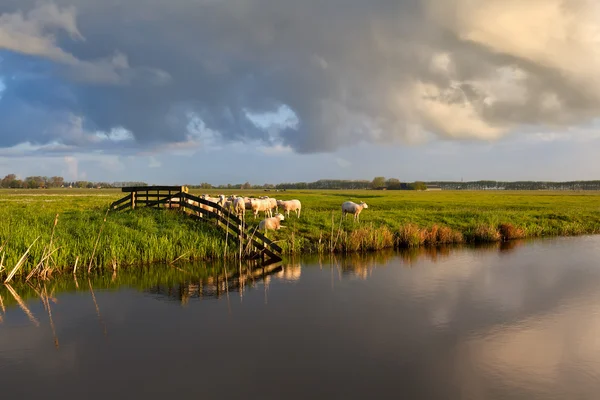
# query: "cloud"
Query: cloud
311,76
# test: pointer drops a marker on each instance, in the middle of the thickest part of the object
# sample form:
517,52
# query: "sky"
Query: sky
270,91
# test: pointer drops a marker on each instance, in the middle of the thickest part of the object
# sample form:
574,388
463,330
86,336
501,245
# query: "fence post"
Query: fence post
133,200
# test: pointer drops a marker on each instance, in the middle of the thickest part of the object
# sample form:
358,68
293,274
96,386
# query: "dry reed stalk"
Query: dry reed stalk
75,267
3,245
2,305
226,238
20,263
331,237
339,230
41,263
97,241
2,262
33,271
179,258
53,229
22,304
247,251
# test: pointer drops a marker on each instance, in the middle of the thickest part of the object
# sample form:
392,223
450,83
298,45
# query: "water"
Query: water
513,322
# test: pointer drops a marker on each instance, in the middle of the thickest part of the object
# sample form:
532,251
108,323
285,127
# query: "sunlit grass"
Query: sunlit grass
393,219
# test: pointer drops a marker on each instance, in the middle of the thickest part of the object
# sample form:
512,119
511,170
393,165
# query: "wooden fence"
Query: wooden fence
252,243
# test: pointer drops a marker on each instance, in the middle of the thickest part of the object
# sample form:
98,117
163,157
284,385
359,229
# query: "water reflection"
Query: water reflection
213,281
492,322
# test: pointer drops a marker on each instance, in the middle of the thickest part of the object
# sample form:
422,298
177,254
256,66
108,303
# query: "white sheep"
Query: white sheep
350,207
273,223
259,205
239,206
218,200
290,205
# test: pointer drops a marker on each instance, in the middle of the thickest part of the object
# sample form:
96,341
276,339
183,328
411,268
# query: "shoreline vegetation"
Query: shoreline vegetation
63,230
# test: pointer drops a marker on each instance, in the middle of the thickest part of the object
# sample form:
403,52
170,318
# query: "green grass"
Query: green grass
393,219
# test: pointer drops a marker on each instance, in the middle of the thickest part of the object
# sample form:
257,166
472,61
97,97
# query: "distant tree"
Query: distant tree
56,181
418,185
246,186
205,185
378,182
8,180
34,182
393,184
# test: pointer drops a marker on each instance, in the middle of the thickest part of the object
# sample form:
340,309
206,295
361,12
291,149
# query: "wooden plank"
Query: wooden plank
268,241
232,217
120,201
122,207
152,188
197,209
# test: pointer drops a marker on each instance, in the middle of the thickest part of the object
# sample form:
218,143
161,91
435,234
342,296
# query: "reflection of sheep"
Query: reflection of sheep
350,207
273,223
290,205
291,272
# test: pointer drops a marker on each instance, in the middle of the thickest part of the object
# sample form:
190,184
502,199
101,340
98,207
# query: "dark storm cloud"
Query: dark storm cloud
351,70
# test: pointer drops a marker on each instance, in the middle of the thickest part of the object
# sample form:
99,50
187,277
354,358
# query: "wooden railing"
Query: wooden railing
252,243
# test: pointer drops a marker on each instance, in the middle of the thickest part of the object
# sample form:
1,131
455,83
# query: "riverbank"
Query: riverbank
393,219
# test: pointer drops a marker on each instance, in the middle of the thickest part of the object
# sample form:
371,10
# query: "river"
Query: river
517,321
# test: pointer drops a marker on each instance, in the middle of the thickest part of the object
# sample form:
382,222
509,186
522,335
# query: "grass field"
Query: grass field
393,219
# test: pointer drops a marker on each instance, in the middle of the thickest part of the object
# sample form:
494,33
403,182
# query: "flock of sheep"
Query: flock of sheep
238,205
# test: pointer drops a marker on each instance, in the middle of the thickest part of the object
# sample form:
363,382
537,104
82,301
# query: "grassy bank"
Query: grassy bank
393,219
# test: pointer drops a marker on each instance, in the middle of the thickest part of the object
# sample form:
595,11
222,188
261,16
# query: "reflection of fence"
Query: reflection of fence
214,287
258,245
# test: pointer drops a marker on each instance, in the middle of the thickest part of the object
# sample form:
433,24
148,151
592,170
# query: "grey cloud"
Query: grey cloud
352,71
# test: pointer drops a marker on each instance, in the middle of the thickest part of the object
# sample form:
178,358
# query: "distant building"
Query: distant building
433,188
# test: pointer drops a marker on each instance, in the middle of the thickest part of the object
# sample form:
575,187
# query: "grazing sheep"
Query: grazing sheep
273,203
239,206
273,223
350,207
259,205
290,205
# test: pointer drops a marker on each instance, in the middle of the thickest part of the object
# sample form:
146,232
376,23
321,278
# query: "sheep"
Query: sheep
272,202
239,206
273,223
290,205
350,207
259,205
218,200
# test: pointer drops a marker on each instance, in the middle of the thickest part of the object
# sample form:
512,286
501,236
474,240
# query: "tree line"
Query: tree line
518,185
11,181
377,183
